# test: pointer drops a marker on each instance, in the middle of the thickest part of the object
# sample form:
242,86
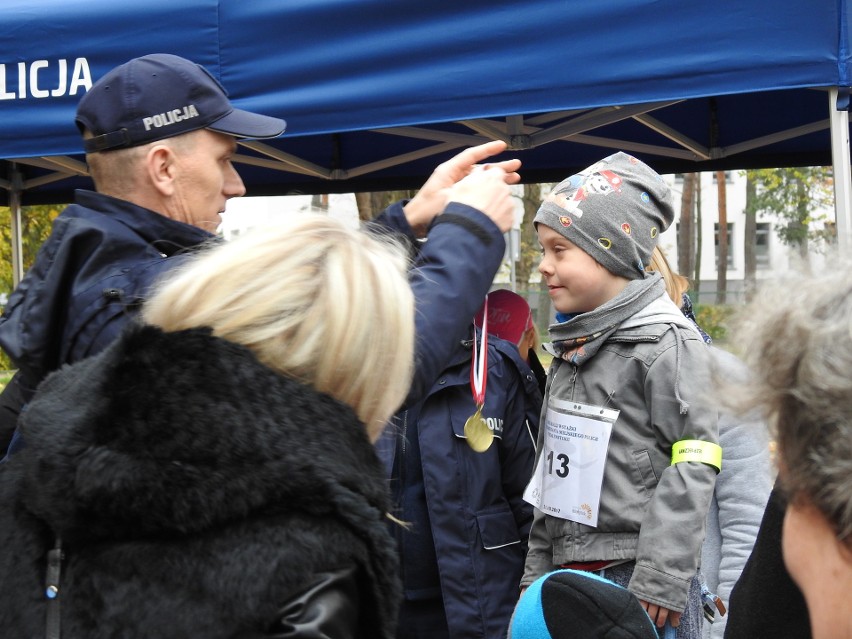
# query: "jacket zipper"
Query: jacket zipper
404,433
574,381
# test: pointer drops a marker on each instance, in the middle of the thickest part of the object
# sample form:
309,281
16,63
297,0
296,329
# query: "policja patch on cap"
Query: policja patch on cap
160,96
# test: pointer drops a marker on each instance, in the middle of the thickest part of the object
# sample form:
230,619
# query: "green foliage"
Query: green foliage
714,319
36,224
793,196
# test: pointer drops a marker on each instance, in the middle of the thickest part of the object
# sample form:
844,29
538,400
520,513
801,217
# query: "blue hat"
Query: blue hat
565,604
160,96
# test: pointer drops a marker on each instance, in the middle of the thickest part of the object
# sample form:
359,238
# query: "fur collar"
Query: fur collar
168,433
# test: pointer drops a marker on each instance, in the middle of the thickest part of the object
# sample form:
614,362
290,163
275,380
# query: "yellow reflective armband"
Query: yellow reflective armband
695,450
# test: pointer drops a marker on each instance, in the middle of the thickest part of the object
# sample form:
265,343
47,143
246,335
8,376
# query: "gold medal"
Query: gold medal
477,433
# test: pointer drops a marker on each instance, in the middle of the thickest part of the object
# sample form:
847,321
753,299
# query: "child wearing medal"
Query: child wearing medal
460,462
627,449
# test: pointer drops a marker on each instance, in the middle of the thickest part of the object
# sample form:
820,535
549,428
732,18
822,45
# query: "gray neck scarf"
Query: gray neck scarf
579,338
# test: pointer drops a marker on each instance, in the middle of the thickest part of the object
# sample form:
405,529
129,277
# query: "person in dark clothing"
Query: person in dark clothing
765,603
465,539
211,473
797,581
161,186
162,183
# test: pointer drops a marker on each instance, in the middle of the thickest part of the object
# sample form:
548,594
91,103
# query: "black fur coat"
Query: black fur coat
197,494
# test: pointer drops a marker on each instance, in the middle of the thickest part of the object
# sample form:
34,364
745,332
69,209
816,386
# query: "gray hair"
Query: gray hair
119,172
797,339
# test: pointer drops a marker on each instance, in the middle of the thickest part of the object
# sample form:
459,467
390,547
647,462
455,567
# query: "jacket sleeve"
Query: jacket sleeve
327,609
517,446
742,490
540,554
672,531
517,455
452,274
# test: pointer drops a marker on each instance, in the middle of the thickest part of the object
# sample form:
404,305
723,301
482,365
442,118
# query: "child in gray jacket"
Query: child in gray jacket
628,452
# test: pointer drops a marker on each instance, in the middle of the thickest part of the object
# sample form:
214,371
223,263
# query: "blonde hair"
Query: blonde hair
676,284
314,300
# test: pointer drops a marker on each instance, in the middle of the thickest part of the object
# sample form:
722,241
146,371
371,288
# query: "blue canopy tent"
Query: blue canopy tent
377,92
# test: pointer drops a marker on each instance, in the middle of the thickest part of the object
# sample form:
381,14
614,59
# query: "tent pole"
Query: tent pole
841,170
16,178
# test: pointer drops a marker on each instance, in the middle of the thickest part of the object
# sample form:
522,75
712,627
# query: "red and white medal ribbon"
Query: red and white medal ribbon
479,370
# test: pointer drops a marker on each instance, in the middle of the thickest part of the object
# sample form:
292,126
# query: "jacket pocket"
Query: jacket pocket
497,529
645,468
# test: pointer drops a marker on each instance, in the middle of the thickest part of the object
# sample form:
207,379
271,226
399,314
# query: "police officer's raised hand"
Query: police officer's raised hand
434,195
485,188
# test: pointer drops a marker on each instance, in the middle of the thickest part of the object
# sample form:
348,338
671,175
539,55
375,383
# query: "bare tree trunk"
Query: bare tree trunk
365,206
529,255
320,202
544,315
801,223
722,263
372,203
750,232
699,242
686,234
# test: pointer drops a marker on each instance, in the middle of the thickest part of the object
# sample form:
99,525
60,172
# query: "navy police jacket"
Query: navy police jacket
453,271
104,254
101,258
87,281
468,524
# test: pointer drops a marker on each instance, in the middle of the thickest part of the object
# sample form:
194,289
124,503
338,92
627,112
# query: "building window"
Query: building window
830,231
319,202
730,244
761,244
729,177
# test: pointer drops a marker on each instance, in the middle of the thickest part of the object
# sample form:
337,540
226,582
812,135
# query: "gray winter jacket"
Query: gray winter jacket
739,500
655,369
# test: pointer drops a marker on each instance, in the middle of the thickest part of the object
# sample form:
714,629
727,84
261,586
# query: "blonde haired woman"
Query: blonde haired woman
211,474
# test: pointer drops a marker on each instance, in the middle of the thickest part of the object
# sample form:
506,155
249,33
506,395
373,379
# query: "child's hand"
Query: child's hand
659,615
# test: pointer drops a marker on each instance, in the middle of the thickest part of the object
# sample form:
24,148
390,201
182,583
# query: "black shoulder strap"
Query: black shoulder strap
54,567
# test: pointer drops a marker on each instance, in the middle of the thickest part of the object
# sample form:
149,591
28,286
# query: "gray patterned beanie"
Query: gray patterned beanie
614,210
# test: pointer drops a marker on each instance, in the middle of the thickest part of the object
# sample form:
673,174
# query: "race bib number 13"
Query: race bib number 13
568,476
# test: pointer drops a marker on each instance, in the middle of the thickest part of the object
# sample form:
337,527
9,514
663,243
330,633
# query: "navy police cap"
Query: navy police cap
160,96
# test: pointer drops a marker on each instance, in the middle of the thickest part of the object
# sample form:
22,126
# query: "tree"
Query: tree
750,245
36,223
794,196
530,254
699,240
371,203
722,261
529,251
686,231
